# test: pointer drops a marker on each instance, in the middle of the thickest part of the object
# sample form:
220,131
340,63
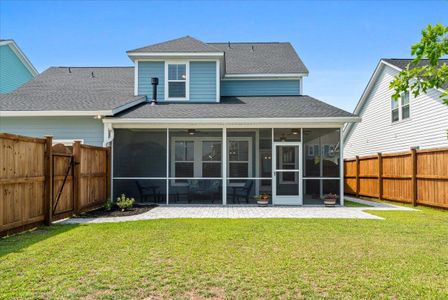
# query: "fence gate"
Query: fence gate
63,192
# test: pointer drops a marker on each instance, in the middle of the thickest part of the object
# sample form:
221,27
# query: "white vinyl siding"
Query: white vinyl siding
426,127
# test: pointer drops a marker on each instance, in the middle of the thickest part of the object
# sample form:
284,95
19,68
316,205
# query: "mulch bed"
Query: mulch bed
116,212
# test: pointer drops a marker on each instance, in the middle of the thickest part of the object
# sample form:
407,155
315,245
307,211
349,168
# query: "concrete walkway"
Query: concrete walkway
235,212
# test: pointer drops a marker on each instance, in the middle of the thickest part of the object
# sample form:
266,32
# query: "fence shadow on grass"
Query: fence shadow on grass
18,242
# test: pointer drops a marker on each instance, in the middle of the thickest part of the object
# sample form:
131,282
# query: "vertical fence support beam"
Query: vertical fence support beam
380,176
357,176
48,180
414,176
77,177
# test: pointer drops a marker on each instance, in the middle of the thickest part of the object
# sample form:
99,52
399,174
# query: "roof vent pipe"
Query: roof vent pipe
154,82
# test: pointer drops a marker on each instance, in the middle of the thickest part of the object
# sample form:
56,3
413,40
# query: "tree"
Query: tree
418,77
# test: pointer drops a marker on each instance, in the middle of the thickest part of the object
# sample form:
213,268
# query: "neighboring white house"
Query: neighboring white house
395,126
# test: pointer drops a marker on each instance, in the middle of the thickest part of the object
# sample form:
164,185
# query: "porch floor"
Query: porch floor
236,212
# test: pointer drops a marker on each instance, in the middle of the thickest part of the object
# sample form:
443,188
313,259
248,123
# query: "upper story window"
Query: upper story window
177,81
400,108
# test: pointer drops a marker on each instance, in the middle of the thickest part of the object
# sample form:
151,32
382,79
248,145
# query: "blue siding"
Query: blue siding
13,73
146,70
203,81
86,128
260,87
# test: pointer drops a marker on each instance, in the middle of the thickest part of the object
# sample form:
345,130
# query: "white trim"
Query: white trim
70,113
136,77
175,54
218,81
210,121
167,166
53,113
21,56
224,166
128,105
266,75
187,80
341,167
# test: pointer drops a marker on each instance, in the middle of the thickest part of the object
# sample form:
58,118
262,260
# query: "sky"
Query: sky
340,42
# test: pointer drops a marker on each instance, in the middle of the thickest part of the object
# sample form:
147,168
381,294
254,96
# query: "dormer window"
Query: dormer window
177,81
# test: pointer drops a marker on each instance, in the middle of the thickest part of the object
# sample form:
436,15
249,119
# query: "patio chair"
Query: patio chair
148,191
239,192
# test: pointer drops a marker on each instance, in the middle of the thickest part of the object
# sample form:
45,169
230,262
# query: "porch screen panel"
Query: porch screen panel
195,166
139,153
142,190
321,161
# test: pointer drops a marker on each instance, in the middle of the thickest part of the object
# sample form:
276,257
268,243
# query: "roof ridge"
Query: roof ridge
173,40
247,43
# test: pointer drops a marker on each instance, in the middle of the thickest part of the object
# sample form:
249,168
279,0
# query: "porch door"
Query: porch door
286,177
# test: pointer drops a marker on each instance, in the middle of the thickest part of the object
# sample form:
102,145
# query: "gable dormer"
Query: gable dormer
188,70
191,70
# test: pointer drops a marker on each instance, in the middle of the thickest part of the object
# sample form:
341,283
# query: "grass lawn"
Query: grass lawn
404,256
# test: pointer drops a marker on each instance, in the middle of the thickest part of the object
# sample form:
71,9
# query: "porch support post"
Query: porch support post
167,166
341,165
224,166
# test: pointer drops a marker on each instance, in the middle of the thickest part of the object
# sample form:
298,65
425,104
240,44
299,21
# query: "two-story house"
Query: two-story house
15,68
195,123
396,125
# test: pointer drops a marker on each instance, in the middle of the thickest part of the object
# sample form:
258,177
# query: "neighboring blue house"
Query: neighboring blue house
194,123
15,68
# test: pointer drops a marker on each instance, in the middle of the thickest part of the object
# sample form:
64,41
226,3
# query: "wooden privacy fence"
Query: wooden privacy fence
40,183
415,177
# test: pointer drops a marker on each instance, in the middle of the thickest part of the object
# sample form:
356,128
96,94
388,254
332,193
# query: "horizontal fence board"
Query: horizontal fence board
416,177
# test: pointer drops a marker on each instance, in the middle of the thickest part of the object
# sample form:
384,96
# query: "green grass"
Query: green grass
404,256
349,203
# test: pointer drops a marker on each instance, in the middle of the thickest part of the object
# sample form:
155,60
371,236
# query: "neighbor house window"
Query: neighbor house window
405,105
400,107
395,110
177,81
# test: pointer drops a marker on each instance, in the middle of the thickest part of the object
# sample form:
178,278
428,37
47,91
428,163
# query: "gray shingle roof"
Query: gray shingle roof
402,63
240,107
261,58
183,44
57,89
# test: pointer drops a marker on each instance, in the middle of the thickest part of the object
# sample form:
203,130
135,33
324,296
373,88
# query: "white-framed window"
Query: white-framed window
405,108
400,108
239,157
177,81
194,157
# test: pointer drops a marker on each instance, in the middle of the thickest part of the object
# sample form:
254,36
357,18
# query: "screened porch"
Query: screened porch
227,166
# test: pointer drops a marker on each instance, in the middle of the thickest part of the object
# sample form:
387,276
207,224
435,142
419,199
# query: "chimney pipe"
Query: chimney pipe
154,82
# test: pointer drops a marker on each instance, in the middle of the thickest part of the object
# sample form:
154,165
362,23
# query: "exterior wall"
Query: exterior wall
13,73
86,128
427,126
146,70
260,87
203,81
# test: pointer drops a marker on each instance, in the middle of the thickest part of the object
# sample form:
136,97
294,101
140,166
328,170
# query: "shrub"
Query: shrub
124,202
108,204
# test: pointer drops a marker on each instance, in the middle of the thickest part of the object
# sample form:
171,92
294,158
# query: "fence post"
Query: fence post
414,176
380,176
48,180
357,176
77,176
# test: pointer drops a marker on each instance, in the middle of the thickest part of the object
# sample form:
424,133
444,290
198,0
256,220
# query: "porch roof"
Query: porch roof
239,107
